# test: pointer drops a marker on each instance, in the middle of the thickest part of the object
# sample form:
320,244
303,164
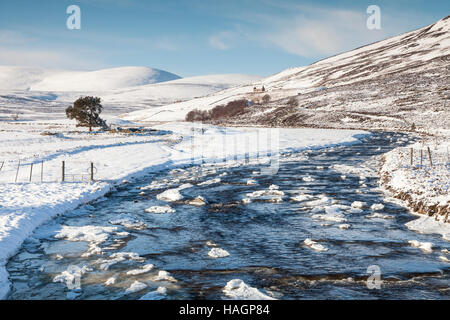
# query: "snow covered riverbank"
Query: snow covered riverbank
117,157
424,186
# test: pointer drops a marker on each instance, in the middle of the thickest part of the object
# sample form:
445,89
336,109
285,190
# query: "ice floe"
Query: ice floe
170,195
320,202
156,185
301,197
164,276
209,182
377,215
144,269
428,225
85,233
239,290
246,200
424,246
160,209
71,277
112,280
314,245
128,222
273,194
377,207
93,235
358,204
118,257
332,213
218,253
355,210
136,287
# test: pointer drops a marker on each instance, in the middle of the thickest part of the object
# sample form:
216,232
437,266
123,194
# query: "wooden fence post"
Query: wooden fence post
448,156
63,171
17,172
429,156
92,171
411,156
31,171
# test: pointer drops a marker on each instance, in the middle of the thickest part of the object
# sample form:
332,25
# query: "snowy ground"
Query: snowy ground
116,157
424,186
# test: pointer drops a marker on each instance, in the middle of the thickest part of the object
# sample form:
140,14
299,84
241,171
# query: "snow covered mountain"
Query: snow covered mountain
35,79
401,82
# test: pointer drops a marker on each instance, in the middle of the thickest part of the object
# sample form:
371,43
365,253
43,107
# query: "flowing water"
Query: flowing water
263,235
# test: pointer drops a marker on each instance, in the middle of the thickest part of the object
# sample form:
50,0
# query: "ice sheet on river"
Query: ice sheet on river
239,290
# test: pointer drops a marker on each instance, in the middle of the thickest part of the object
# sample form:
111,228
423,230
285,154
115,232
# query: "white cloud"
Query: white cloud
328,32
315,31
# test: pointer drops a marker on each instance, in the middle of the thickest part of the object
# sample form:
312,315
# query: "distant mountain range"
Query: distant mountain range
398,83
33,92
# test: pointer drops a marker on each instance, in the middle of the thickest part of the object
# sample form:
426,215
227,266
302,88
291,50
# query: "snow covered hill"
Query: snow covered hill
398,83
181,89
35,79
42,94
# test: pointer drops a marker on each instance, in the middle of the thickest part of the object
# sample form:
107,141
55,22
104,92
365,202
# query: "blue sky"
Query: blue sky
195,37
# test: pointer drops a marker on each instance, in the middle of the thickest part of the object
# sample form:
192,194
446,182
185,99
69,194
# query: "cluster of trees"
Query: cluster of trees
231,109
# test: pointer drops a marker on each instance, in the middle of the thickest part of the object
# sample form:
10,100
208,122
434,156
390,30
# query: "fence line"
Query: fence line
422,156
19,175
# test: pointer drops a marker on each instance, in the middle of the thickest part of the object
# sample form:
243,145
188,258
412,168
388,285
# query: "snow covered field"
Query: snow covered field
117,157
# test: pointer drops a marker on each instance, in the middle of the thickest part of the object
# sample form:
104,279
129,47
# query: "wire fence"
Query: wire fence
39,171
424,157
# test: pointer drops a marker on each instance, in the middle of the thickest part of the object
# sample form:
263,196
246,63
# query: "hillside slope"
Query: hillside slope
398,83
